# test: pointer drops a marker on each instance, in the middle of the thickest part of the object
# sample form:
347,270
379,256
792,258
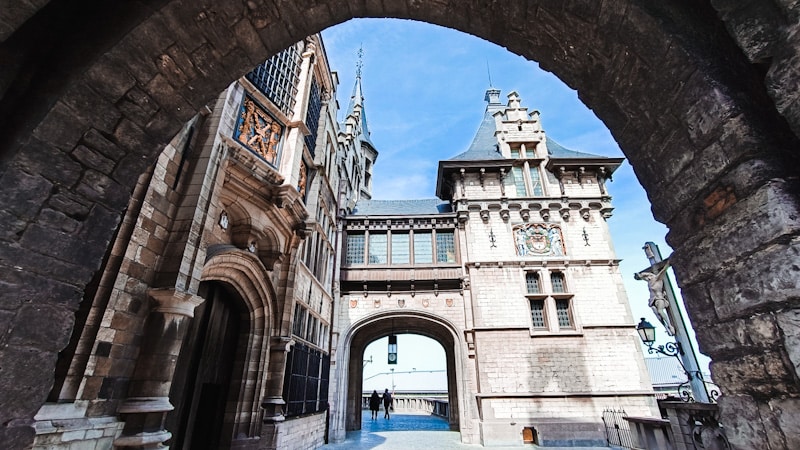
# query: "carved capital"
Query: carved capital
172,301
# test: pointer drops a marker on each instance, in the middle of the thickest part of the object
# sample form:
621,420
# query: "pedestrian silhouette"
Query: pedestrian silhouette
387,403
374,404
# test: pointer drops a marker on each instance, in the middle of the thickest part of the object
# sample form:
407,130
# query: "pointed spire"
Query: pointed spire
357,99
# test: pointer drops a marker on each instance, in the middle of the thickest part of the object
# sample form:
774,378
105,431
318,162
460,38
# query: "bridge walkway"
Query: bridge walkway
410,431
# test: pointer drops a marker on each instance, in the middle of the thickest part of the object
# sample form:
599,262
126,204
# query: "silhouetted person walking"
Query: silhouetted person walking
374,404
387,403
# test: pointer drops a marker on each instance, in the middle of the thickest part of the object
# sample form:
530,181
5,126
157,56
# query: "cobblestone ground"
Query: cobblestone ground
411,431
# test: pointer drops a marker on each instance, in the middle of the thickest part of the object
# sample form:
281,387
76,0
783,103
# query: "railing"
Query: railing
686,426
432,404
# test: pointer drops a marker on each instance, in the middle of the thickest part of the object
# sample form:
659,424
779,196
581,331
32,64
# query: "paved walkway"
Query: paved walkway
411,431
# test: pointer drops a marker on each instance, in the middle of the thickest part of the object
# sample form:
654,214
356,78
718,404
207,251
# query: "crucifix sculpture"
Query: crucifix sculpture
658,299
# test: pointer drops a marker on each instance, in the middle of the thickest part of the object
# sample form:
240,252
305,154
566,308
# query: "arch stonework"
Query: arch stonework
244,272
346,408
701,96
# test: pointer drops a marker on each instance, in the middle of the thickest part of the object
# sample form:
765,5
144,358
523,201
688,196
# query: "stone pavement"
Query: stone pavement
411,431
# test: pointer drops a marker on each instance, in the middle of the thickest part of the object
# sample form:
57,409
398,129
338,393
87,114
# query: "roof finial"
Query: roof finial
360,62
489,72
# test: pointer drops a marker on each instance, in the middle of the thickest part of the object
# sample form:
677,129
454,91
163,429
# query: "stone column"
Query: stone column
145,410
273,402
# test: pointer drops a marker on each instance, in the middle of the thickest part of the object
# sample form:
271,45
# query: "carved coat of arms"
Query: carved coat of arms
538,239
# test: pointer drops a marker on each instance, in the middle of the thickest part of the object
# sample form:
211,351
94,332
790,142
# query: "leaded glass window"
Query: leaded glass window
312,115
557,279
378,249
355,249
299,320
562,312
519,181
532,283
400,248
537,313
277,78
445,247
536,182
529,151
515,153
423,248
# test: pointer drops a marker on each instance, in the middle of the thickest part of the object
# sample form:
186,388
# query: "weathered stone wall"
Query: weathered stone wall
120,79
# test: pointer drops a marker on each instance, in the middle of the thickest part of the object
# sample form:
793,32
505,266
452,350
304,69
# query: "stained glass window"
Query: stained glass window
355,249
423,247
445,247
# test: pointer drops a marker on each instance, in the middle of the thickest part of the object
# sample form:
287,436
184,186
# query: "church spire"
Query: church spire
357,101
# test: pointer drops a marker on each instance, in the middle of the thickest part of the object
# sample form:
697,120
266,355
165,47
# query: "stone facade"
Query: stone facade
700,95
530,289
213,290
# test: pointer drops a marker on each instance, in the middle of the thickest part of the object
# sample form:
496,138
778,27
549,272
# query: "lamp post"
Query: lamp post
647,333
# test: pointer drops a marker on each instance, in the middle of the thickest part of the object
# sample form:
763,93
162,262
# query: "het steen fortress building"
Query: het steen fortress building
252,268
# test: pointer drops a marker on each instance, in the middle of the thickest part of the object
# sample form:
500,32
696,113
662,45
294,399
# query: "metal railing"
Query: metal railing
437,406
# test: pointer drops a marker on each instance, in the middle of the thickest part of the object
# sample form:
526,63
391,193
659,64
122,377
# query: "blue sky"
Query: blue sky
424,87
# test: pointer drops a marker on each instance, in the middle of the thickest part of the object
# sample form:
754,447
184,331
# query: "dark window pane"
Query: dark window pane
562,311
537,313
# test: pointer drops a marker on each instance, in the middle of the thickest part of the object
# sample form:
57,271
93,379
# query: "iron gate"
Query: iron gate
617,430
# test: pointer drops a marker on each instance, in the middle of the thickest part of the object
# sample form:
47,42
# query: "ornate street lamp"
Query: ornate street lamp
647,333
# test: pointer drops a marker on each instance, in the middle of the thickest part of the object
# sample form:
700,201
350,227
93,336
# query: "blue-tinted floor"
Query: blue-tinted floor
409,432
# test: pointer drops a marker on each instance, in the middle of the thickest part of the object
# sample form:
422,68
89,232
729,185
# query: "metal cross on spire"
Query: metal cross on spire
360,62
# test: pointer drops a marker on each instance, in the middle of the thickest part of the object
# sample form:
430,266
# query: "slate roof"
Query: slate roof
665,371
556,150
484,144
401,207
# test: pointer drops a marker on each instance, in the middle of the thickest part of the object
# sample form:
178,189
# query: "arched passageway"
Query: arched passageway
378,326
698,94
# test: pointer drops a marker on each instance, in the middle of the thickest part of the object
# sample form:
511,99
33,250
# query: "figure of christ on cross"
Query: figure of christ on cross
658,299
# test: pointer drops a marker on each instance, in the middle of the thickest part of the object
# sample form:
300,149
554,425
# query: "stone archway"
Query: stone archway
356,340
708,118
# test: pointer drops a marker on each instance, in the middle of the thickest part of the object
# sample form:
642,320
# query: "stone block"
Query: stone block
98,187
137,106
742,421
93,159
24,399
51,337
765,374
90,107
53,164
97,141
60,128
788,322
750,335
